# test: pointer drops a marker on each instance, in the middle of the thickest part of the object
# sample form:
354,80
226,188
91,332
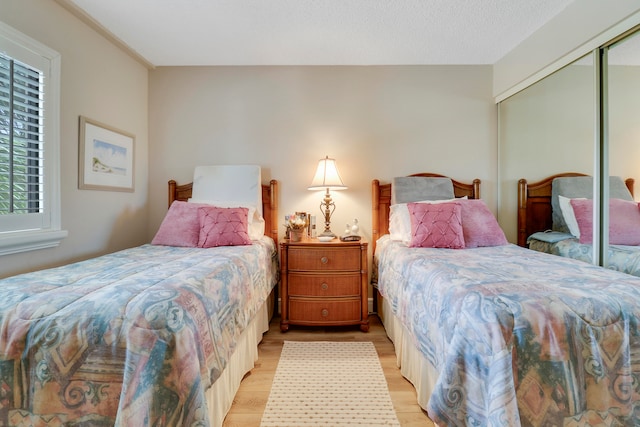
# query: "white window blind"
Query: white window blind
21,138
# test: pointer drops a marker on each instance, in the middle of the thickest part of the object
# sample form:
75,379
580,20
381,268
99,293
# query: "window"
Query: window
29,144
21,126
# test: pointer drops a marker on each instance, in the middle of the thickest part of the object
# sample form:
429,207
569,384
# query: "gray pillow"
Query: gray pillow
408,189
580,186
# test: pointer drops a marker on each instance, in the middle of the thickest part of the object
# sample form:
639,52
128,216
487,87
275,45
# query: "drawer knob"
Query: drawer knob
324,286
324,312
324,260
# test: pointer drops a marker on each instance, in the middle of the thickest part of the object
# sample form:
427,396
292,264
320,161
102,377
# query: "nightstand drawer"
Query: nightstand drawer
314,285
309,311
323,259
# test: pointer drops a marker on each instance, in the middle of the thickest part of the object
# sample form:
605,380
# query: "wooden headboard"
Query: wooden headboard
534,205
381,201
269,203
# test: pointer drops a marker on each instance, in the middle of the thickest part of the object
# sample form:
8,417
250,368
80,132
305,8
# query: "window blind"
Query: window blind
21,138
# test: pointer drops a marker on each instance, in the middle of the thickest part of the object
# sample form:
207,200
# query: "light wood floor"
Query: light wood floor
251,399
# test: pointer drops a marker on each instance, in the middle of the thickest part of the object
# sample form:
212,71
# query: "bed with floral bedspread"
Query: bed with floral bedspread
518,337
132,338
619,257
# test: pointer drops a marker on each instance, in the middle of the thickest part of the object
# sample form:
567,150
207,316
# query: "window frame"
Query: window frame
49,234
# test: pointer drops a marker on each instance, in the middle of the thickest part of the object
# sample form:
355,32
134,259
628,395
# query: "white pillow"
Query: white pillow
255,221
568,215
400,220
239,183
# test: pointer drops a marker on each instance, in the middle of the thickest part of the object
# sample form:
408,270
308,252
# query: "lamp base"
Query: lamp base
327,233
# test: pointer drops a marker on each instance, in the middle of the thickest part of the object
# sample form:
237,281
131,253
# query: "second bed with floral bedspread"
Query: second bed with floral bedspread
518,337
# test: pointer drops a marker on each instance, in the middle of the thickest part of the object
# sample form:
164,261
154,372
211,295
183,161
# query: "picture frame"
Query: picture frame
105,156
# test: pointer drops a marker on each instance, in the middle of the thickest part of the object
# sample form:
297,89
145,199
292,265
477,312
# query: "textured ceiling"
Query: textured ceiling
320,32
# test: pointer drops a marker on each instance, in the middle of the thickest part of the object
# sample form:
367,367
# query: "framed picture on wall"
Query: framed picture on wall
106,157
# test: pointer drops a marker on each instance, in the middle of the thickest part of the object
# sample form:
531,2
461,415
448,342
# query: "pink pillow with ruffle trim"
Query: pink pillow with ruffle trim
223,227
479,226
624,221
436,225
180,226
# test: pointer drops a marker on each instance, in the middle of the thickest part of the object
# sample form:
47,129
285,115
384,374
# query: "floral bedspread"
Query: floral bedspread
132,338
619,257
519,337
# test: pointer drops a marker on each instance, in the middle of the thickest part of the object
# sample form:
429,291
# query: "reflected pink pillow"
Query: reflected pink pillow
180,226
436,225
624,221
479,226
223,227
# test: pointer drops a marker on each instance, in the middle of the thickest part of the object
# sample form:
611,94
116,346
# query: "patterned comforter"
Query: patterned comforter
619,257
132,338
519,337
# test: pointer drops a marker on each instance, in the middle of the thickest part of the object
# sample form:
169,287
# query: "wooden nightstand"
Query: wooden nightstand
324,283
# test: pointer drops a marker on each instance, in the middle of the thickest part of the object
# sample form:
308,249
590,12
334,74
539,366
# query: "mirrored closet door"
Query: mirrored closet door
623,136
552,127
545,129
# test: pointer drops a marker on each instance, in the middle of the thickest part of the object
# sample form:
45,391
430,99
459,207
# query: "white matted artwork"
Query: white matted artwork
106,157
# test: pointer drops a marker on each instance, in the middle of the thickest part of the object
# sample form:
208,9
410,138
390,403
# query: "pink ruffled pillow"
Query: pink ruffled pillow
479,226
180,226
223,227
436,225
624,221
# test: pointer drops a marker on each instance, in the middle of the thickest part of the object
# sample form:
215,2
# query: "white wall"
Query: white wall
101,82
378,122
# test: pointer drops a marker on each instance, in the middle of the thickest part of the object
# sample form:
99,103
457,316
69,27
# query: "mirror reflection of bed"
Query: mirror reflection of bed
555,216
495,331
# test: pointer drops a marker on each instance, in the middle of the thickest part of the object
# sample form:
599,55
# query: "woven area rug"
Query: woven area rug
329,384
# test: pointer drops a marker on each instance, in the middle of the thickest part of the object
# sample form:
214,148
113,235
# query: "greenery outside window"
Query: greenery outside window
29,144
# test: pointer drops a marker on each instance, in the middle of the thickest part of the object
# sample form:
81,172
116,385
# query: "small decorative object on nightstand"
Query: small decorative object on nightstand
355,227
324,284
351,232
296,235
295,226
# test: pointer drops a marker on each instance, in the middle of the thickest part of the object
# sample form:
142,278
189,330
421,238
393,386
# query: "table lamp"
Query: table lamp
327,177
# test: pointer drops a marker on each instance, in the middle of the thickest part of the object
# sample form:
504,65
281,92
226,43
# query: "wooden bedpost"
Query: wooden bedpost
522,212
172,191
629,182
273,210
375,215
476,189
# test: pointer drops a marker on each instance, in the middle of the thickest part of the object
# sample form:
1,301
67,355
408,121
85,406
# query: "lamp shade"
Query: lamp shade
327,176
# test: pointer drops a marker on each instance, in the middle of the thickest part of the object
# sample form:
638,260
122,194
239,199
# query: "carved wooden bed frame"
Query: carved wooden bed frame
534,205
269,203
381,201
